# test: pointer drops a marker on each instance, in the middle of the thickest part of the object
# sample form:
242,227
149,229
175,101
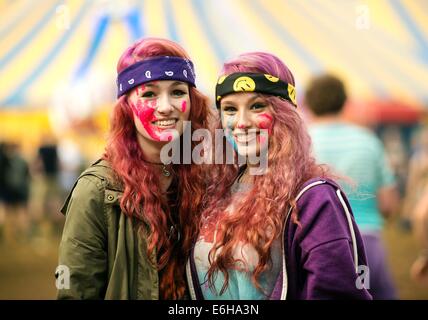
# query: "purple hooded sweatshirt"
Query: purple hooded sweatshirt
320,260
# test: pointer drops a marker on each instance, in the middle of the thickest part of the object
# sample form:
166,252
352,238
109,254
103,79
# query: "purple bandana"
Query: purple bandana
159,68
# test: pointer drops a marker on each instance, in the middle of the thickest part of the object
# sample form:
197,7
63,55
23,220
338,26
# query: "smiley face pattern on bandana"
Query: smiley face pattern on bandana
254,82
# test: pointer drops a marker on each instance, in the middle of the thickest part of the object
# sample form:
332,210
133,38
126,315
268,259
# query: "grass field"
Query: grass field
27,270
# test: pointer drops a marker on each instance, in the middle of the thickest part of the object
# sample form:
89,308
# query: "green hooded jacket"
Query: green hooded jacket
101,248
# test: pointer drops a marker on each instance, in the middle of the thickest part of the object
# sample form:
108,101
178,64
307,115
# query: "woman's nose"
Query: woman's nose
243,120
165,105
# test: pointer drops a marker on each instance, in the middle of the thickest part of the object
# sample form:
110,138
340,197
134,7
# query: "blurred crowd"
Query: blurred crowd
33,188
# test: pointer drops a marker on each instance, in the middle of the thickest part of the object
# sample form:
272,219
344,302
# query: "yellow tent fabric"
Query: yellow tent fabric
70,48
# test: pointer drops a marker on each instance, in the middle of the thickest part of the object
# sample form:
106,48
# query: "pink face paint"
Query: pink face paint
166,136
153,104
265,121
140,90
183,106
145,114
263,139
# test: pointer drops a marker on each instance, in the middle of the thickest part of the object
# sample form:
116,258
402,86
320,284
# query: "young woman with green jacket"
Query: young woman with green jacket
127,230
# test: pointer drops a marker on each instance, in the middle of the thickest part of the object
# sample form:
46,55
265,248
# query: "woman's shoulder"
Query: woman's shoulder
318,191
102,174
92,184
320,186
322,210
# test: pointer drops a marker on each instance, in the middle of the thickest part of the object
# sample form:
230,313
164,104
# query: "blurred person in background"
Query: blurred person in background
72,163
47,164
16,193
415,207
417,173
127,229
419,268
47,167
356,153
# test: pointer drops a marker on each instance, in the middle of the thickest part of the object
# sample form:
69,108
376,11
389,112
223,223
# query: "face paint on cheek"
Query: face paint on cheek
153,104
168,135
184,106
262,138
230,121
145,114
265,121
140,90
228,131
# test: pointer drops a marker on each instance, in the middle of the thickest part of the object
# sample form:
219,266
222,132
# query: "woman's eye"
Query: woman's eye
178,93
148,94
229,109
257,106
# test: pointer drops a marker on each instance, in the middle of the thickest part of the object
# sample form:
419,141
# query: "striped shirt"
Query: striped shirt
357,153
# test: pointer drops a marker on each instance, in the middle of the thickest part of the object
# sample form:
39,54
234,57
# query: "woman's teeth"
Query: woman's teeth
245,138
164,123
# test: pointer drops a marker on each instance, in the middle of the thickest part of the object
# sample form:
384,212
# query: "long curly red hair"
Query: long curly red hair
142,197
258,215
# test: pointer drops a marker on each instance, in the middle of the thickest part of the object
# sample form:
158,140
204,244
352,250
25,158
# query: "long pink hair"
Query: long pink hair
142,198
262,208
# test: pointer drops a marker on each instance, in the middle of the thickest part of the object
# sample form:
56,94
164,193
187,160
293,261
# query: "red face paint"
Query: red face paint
166,136
145,113
262,139
183,106
153,104
265,121
140,90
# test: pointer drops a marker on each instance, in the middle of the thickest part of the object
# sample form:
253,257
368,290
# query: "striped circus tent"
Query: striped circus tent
64,53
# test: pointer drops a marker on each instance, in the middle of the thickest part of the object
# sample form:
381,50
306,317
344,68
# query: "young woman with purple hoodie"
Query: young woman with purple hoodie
278,230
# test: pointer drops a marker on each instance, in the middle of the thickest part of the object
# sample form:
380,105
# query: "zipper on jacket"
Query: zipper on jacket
190,279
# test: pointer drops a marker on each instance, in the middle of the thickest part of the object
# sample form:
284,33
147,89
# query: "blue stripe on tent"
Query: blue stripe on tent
170,23
13,24
314,64
17,97
215,42
25,41
100,31
134,24
413,29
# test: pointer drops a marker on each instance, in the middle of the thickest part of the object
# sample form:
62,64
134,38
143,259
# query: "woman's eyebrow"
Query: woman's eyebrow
232,102
150,85
176,83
